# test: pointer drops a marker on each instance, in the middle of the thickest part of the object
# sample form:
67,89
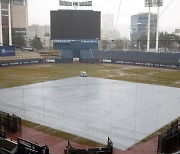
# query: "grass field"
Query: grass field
23,75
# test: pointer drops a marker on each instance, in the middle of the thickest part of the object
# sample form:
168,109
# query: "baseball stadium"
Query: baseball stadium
128,101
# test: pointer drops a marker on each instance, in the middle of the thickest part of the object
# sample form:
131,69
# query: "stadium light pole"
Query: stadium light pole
26,5
158,3
149,29
148,3
10,30
1,35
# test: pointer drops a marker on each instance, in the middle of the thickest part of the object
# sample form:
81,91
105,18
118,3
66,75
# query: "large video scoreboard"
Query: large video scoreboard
75,24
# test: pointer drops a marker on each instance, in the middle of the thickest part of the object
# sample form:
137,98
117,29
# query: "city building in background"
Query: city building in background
42,32
5,22
107,26
14,18
177,32
139,24
39,31
19,16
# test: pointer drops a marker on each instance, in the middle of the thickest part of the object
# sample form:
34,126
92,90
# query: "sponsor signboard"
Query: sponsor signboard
87,3
65,3
75,4
50,60
7,51
106,61
19,62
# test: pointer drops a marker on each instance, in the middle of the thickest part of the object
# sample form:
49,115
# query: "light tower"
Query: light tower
10,27
148,3
153,3
1,37
157,3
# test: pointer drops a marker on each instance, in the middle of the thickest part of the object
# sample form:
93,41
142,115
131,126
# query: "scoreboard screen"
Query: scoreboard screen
75,24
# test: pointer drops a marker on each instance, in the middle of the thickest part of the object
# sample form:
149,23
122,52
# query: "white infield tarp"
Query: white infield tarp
95,108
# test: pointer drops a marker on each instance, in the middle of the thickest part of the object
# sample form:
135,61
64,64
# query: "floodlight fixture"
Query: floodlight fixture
158,3
153,3
148,3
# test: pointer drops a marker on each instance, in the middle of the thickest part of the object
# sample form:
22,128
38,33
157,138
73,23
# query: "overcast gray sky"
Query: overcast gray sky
39,11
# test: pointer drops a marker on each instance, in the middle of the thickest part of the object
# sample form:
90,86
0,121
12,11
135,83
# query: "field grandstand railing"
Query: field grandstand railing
25,146
10,123
22,146
103,150
169,141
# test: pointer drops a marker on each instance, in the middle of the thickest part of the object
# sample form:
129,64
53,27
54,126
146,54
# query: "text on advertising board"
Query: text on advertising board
67,3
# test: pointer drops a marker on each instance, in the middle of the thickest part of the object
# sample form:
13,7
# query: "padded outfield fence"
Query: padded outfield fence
34,61
158,59
163,59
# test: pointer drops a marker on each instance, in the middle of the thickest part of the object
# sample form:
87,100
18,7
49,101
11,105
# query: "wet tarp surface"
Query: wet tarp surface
95,108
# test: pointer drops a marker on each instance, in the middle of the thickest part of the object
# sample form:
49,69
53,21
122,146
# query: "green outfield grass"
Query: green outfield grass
23,75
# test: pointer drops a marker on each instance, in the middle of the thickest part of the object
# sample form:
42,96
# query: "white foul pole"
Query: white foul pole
148,35
10,30
1,35
157,31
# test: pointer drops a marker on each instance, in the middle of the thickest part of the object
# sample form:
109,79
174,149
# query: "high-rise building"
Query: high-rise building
139,25
39,31
42,32
19,16
177,32
13,18
107,26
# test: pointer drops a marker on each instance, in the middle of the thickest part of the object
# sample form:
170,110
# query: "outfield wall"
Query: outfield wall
34,61
163,59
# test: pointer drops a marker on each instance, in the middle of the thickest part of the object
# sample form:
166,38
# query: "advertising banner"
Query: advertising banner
65,3
75,4
7,51
19,62
87,3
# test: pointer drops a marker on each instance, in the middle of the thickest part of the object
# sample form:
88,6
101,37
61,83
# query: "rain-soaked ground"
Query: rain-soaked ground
95,108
